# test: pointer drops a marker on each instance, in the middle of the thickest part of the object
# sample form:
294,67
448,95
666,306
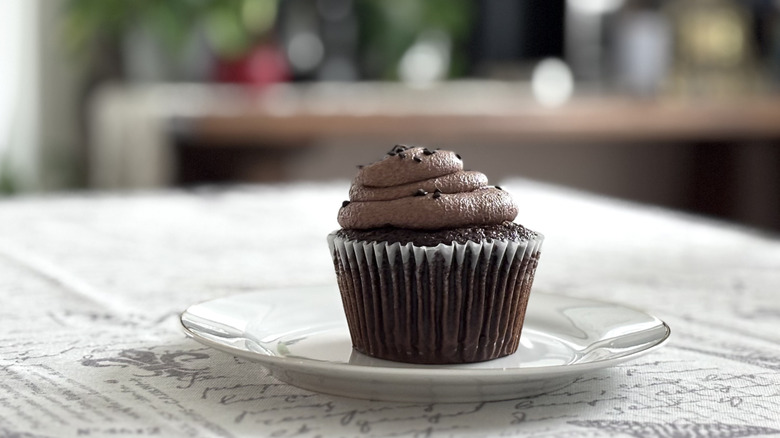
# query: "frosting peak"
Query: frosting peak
418,188
403,166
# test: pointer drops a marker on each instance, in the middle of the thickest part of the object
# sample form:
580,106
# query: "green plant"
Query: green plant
7,181
389,27
229,25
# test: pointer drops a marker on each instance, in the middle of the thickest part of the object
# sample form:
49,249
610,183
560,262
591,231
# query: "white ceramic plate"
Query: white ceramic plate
301,336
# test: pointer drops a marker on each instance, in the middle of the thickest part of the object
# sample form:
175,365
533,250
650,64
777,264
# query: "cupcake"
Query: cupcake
430,265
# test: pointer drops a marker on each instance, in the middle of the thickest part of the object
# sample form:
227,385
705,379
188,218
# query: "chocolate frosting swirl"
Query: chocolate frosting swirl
417,188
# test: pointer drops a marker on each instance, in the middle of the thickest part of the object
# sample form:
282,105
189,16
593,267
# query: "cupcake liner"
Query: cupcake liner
445,304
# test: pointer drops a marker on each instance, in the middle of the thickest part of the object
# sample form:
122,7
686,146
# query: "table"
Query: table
92,285
135,125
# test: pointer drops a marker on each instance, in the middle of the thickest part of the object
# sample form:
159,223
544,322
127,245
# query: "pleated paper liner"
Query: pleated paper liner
454,303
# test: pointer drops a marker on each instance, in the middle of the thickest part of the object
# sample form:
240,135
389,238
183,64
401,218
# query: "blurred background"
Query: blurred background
672,103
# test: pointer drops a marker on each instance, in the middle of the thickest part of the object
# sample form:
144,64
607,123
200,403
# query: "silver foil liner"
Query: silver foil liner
454,303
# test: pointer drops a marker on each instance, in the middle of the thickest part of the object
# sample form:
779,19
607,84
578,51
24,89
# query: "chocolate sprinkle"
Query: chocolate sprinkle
418,159
344,204
420,192
499,188
437,194
397,149
401,155
458,155
427,151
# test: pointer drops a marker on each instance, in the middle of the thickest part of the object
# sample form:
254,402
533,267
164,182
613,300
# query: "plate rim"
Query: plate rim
440,372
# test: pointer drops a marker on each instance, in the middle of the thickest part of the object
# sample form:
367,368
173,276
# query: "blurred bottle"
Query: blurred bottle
511,36
642,49
587,48
339,30
714,55
766,15
320,39
774,54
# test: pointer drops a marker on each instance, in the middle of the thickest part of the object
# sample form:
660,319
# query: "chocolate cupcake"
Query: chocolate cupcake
430,265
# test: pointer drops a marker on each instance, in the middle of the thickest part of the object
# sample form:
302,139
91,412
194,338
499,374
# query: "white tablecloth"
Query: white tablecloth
91,287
